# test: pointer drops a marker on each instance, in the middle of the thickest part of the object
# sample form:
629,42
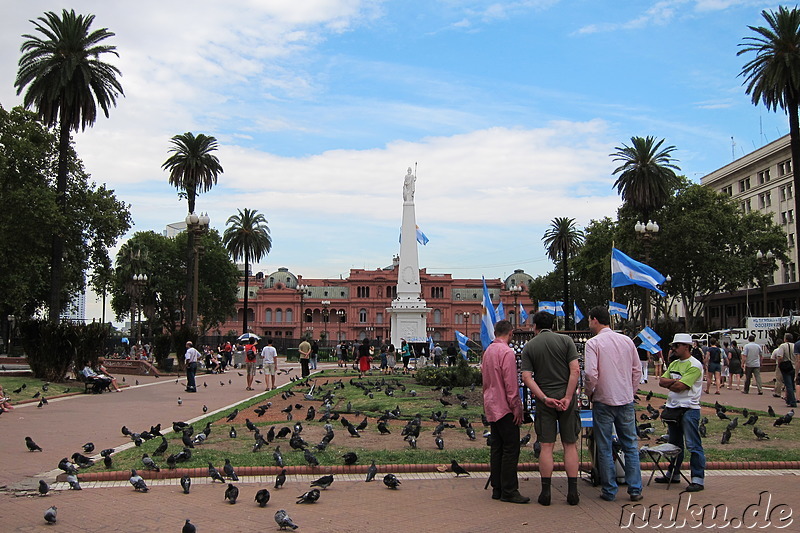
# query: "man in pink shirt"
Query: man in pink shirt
613,372
503,408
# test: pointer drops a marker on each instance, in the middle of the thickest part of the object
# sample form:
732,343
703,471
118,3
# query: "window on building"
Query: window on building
437,292
362,292
379,318
745,205
787,217
458,317
391,291
437,316
792,273
278,315
763,177
714,311
362,315
789,191
268,316
727,190
288,315
785,168
744,184
791,240
475,318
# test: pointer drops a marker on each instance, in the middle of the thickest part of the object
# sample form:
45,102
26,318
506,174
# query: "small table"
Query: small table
666,451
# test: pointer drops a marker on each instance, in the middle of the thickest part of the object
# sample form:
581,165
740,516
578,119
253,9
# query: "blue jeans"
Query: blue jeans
621,418
191,370
788,382
689,430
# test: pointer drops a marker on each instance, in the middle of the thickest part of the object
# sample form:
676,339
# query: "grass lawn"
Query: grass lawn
32,386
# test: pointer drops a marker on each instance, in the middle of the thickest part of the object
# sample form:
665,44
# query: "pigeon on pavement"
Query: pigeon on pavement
138,483
50,515
44,488
284,520
188,527
88,447
457,468
371,472
324,482
32,446
186,483
231,493
72,480
214,474
391,481
280,479
229,471
262,497
309,497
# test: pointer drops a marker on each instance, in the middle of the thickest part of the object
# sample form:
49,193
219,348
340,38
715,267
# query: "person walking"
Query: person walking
437,355
191,357
751,353
391,359
305,354
269,356
734,366
787,364
405,353
712,361
683,379
451,354
644,361
613,372
779,354
312,360
503,408
250,357
553,359
363,358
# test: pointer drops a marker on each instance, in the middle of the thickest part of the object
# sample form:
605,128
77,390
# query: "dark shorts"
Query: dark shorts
569,423
714,367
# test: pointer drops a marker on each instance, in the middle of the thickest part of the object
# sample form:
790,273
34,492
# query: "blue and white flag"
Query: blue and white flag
421,237
488,318
547,307
523,316
648,335
462,342
626,271
500,312
647,346
430,345
559,308
578,314
617,309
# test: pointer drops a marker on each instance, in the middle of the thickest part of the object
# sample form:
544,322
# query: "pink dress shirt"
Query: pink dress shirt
500,382
612,367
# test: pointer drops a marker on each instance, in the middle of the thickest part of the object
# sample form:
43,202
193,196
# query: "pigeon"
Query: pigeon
719,407
371,472
280,479
32,446
271,434
751,421
188,527
350,458
722,416
229,471
180,401
107,461
231,416
186,438
525,440
278,456
781,420
363,425
391,481
231,493
172,461
200,438
353,431
161,447
309,497
457,468
283,432
412,441
81,460
726,436
149,464
771,411
68,467
262,497
701,429
186,483
44,488
383,428
72,480
50,515
470,433
310,457
760,435
733,423
649,396
324,482
138,483
249,425
205,410
88,447
311,413
283,520
439,442
745,412
214,474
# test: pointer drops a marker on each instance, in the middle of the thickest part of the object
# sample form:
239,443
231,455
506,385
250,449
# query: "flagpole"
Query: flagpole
613,292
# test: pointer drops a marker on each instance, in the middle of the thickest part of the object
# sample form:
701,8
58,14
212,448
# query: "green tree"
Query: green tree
591,266
66,80
563,240
646,174
773,75
247,237
193,169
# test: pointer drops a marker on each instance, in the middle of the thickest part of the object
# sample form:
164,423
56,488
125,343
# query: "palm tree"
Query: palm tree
562,241
247,237
646,176
773,76
66,80
193,168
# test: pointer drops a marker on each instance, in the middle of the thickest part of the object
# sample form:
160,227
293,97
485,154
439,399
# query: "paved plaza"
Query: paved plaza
424,502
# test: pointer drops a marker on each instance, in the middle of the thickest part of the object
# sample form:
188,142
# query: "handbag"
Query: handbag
786,366
672,415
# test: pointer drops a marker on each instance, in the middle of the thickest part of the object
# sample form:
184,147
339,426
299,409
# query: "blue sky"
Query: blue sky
508,108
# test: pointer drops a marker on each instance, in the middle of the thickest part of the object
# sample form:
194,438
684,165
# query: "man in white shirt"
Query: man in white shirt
751,353
192,357
270,355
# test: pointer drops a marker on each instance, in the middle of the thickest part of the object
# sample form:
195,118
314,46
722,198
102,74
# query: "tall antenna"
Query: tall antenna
733,149
761,129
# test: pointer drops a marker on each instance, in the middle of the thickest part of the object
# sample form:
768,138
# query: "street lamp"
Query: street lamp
301,289
515,291
138,283
466,324
197,226
340,314
325,304
647,232
765,264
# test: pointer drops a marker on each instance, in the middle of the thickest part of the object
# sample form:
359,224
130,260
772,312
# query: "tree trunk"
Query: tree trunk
189,301
567,308
57,256
794,139
246,293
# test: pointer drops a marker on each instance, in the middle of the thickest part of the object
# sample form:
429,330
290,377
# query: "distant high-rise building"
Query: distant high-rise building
76,308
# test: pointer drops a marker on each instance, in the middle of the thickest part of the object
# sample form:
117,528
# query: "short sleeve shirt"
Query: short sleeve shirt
548,356
269,353
690,373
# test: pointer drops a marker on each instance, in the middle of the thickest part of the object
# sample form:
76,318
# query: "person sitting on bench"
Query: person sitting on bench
100,381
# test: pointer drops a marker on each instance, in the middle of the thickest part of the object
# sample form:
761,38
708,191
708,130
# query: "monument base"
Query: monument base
408,321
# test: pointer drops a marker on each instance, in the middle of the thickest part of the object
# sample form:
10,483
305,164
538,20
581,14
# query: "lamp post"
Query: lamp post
647,232
197,226
138,283
466,324
765,264
325,305
301,289
515,291
340,314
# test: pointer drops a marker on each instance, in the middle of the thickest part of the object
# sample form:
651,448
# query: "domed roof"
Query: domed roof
281,278
518,278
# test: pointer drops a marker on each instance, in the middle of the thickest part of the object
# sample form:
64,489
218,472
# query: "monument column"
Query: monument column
409,310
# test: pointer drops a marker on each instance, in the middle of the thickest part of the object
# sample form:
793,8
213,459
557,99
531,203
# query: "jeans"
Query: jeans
313,362
688,429
191,370
788,381
504,456
621,418
748,373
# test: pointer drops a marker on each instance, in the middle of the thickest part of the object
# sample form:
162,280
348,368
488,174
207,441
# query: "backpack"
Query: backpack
251,356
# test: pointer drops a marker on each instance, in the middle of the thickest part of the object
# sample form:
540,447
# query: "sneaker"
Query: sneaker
665,479
607,497
515,498
694,487
636,497
760,393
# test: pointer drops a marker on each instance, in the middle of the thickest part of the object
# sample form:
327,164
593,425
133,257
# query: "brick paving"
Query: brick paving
428,501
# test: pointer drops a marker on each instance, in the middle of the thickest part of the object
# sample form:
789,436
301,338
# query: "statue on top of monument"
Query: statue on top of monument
408,186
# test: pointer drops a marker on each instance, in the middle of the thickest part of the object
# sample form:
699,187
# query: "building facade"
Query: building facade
760,181
284,305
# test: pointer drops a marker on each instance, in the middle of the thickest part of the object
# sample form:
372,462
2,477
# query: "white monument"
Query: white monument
408,311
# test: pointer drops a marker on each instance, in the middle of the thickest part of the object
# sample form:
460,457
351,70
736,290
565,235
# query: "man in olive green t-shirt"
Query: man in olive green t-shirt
552,359
305,353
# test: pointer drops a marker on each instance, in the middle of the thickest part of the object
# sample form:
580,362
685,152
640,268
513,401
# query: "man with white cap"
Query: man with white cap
684,380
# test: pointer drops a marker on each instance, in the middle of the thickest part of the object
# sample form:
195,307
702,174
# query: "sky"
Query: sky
508,111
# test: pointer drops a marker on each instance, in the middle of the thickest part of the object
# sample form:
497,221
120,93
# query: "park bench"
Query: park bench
89,383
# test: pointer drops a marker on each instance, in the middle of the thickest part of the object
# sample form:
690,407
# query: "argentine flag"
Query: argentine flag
626,271
578,314
462,343
421,237
617,309
547,307
500,312
559,308
647,346
488,318
649,336
523,316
